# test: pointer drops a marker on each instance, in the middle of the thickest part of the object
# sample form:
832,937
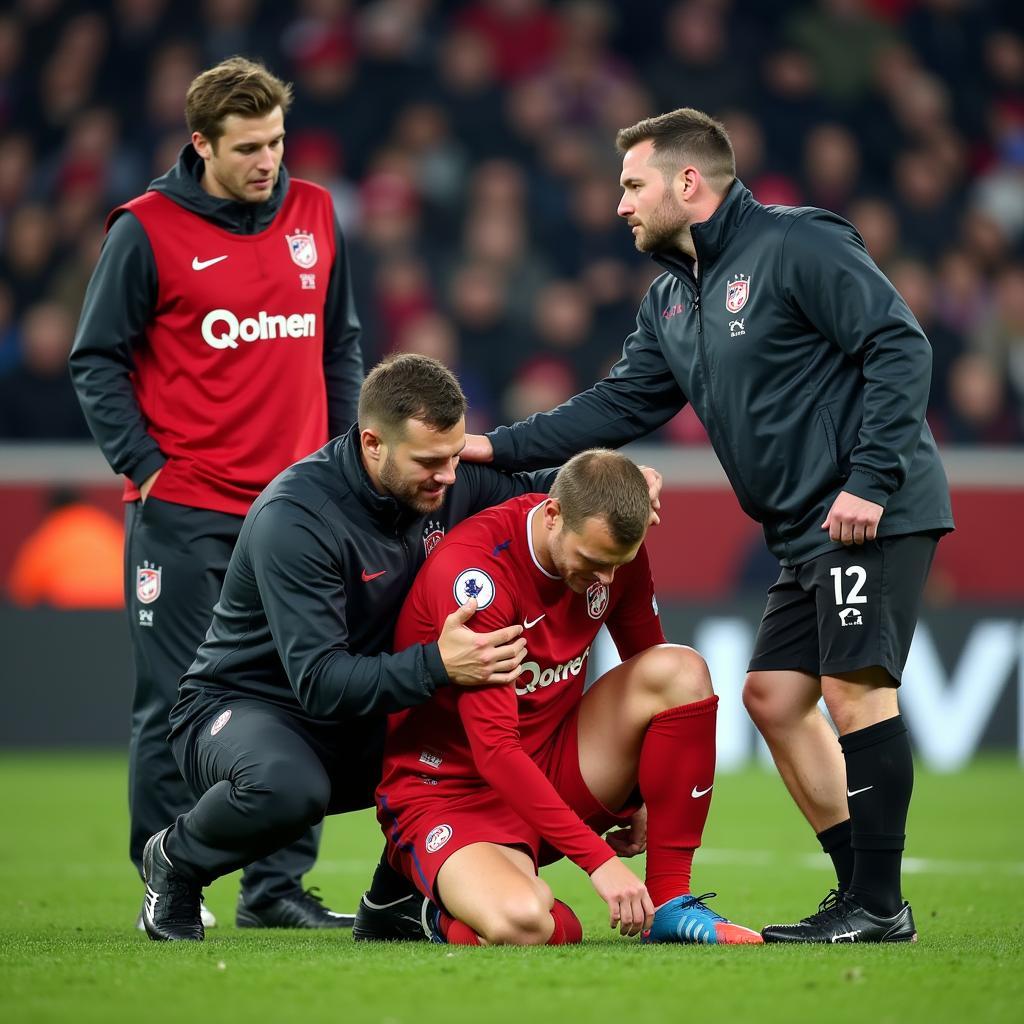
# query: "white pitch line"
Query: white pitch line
813,861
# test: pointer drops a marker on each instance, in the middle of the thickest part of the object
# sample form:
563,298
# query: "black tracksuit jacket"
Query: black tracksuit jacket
818,383
322,565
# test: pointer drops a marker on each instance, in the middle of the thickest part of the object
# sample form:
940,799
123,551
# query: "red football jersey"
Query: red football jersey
229,374
464,737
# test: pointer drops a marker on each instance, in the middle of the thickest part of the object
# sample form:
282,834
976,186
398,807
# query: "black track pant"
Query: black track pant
175,560
266,775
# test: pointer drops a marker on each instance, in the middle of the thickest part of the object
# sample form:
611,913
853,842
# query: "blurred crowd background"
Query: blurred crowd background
469,147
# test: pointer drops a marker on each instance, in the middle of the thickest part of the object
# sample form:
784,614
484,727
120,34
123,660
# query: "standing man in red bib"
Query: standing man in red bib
218,344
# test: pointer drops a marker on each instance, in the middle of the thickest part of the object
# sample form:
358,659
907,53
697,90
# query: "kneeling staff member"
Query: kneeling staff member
280,719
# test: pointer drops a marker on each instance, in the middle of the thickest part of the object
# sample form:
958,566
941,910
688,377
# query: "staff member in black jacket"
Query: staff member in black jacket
281,716
217,345
811,376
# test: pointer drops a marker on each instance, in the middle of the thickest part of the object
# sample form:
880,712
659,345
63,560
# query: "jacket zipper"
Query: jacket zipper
732,470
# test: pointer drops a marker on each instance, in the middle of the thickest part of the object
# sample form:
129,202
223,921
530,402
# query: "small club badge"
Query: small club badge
433,534
597,600
302,248
474,583
737,291
437,837
147,582
222,720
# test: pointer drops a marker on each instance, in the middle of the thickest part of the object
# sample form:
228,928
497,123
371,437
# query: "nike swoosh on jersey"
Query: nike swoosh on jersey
698,793
367,576
856,791
198,264
527,624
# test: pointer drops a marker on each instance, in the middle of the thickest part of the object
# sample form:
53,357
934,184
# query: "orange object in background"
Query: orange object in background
73,559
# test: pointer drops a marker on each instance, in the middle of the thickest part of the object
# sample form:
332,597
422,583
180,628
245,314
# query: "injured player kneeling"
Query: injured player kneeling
481,787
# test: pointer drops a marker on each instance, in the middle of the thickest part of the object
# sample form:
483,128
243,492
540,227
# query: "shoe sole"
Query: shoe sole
778,941
247,919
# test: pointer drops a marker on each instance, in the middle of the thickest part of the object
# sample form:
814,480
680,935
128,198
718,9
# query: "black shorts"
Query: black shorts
848,609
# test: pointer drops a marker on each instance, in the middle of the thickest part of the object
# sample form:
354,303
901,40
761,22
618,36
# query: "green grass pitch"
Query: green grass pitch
68,900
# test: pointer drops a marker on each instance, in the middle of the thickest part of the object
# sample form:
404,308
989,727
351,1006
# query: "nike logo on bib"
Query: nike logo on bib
198,264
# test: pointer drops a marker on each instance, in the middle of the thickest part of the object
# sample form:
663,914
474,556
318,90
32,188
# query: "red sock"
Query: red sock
568,930
457,933
677,771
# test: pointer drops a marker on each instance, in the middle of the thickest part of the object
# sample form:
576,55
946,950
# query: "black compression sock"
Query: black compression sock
879,782
388,885
835,841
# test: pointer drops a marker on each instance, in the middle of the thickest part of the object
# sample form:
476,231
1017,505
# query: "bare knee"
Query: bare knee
676,674
522,919
773,707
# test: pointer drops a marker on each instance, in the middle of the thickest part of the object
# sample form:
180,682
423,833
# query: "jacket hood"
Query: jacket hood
181,184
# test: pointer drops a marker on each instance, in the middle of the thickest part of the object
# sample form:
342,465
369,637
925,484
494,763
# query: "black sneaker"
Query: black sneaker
170,911
404,920
206,915
303,910
840,918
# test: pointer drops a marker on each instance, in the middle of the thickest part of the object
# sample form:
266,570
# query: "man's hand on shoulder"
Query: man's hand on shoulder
852,520
478,449
654,485
478,659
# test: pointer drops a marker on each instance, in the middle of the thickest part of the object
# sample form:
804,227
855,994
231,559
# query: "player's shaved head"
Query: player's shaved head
605,485
406,386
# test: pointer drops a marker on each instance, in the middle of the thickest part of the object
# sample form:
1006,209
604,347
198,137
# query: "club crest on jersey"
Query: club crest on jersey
302,249
474,583
147,582
737,291
433,534
437,837
597,600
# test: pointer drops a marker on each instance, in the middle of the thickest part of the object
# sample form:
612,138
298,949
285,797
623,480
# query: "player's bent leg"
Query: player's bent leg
651,721
495,892
784,707
617,710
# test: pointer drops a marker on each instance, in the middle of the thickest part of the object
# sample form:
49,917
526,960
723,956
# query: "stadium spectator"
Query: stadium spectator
979,410
916,284
1000,335
37,401
933,93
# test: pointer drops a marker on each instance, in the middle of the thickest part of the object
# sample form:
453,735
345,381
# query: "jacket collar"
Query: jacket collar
711,236
384,509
